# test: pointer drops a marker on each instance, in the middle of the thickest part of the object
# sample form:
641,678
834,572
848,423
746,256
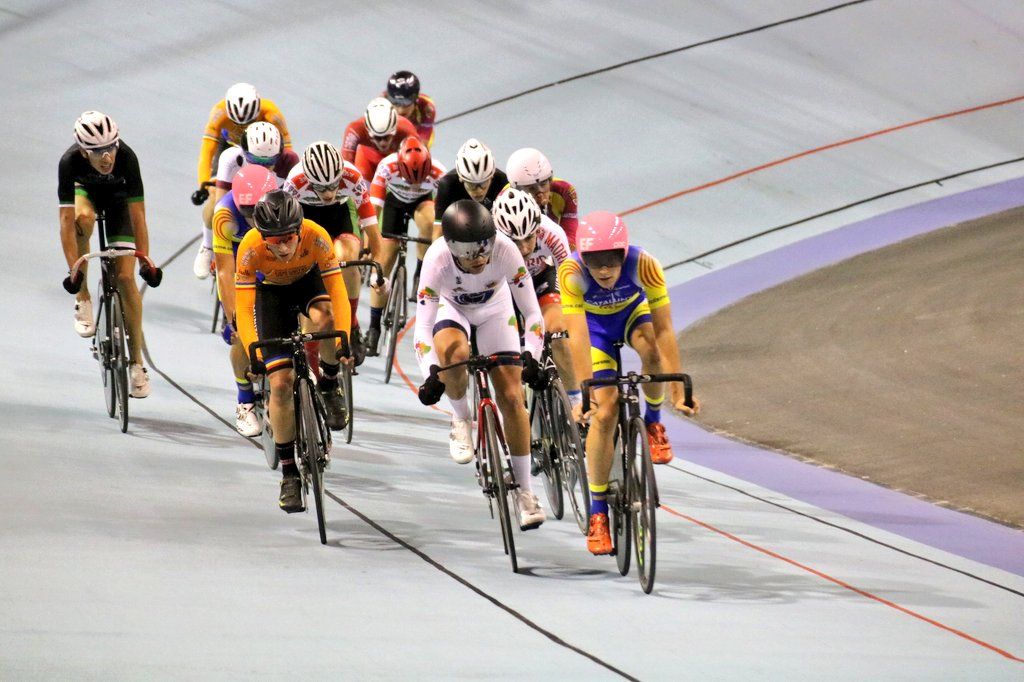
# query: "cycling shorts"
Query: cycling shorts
277,307
337,219
493,326
396,214
117,221
608,330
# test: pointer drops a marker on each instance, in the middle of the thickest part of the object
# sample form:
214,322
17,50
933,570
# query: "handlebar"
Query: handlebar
476,362
111,252
632,379
360,263
406,238
299,338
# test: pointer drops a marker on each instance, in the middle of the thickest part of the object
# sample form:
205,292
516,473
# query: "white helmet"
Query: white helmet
516,214
262,138
243,103
527,166
94,130
381,118
474,162
321,163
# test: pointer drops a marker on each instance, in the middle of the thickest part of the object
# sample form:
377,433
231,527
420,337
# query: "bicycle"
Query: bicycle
109,345
312,437
633,489
493,462
348,373
556,445
218,313
395,313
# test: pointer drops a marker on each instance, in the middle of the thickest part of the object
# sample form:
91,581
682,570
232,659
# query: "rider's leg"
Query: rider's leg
132,306
554,321
85,221
389,248
508,389
424,219
346,248
452,346
643,341
282,415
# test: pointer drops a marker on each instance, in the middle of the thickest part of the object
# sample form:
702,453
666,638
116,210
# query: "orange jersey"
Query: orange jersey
220,129
314,249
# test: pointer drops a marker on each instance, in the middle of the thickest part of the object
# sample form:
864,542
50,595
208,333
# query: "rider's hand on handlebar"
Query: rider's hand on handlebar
152,275
534,375
431,390
73,286
679,402
200,196
579,416
256,370
381,290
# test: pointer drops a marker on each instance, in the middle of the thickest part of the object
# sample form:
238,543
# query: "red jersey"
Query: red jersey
563,208
423,116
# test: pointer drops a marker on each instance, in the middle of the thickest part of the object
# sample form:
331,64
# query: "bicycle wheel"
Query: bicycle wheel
119,358
103,353
309,446
571,456
217,311
495,458
262,407
346,382
543,437
396,304
644,494
618,504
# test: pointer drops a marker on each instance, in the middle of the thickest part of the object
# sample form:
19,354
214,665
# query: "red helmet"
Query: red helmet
413,160
251,182
602,231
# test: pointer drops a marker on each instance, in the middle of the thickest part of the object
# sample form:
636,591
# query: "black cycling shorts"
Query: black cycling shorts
277,308
335,218
396,215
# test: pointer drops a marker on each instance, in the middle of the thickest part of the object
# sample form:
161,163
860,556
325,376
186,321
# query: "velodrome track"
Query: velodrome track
161,553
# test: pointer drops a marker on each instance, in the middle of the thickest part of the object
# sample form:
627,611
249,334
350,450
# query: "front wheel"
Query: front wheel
119,359
571,457
103,354
346,374
543,437
262,404
495,457
309,446
396,302
643,495
618,504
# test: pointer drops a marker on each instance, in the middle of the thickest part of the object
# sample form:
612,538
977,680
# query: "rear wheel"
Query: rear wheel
395,313
644,495
618,505
310,446
571,457
543,438
346,382
495,452
119,359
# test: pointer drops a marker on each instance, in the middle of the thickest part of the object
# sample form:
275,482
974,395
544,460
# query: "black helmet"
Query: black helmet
468,229
277,213
403,88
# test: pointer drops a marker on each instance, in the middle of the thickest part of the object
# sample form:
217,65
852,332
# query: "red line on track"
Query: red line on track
842,584
809,152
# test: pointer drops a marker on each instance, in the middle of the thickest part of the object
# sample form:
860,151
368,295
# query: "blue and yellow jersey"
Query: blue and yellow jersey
641,277
229,226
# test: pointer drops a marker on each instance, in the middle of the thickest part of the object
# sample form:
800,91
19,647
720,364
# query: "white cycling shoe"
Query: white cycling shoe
139,380
460,441
531,514
84,324
204,259
246,421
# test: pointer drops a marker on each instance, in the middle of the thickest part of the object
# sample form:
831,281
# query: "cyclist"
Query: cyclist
375,135
528,169
241,106
543,246
261,146
404,93
609,290
403,188
474,177
98,173
232,219
334,195
300,272
469,282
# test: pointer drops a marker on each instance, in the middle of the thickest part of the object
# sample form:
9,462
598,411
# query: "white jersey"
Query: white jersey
552,247
478,298
351,186
387,179
231,161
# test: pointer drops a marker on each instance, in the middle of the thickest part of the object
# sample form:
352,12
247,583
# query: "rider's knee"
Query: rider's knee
282,381
85,218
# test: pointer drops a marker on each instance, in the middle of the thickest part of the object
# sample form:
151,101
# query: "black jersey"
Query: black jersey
76,175
450,190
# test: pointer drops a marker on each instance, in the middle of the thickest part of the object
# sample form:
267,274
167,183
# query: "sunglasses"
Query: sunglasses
470,251
260,160
324,188
541,186
102,151
281,240
603,259
477,185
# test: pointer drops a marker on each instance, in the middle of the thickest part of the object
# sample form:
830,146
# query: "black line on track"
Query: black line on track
379,528
801,221
465,583
863,536
664,53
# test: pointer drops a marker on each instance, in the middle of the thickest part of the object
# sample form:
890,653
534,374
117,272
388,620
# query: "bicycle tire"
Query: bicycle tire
346,382
216,308
644,494
618,504
395,302
309,448
571,457
119,359
501,490
262,410
543,426
103,352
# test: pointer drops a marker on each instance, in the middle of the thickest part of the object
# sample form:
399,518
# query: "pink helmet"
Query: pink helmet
602,231
251,182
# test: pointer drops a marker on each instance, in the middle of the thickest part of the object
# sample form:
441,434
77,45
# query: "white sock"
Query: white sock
521,469
460,407
207,237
